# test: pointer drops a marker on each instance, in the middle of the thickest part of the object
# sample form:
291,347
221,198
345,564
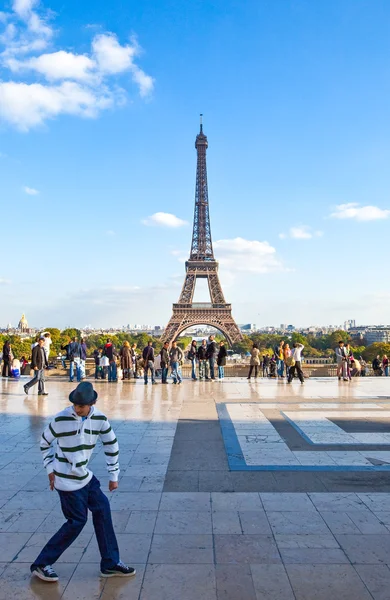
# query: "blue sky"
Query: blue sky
99,106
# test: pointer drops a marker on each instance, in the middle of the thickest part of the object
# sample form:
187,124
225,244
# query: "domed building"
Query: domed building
23,324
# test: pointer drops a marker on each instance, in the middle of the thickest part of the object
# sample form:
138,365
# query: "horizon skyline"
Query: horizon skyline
99,112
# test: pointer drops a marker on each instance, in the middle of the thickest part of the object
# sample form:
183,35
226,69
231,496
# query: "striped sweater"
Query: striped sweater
67,445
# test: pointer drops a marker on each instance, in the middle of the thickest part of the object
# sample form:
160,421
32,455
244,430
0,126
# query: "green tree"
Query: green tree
71,332
377,348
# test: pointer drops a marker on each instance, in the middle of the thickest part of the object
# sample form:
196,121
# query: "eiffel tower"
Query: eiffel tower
202,265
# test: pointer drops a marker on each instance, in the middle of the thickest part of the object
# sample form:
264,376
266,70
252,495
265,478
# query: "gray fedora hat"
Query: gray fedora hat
83,394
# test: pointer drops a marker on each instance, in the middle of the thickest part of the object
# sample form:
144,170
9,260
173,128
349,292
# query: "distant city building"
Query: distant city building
23,324
377,334
350,324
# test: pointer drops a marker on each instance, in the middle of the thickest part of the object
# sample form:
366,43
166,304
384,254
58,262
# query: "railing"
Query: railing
201,306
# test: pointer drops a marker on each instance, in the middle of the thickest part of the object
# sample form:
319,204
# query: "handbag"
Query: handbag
290,362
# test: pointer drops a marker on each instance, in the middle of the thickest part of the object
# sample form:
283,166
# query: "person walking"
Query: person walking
175,357
221,360
67,445
164,362
192,354
203,362
7,359
126,362
38,364
296,356
211,354
255,361
148,357
385,365
111,353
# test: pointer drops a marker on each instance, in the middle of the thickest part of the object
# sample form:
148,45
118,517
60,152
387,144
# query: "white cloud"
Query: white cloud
251,256
57,65
83,86
28,105
31,191
352,210
302,232
164,220
4,281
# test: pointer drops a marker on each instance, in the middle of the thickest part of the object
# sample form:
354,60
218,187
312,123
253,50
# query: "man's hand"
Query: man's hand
51,480
113,485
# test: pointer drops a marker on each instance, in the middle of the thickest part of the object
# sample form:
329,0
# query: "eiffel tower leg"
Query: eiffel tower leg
187,292
216,293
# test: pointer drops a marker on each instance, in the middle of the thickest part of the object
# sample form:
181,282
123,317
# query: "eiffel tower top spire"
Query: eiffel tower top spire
202,246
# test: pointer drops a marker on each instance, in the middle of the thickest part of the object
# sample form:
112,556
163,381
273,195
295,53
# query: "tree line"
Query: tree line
318,347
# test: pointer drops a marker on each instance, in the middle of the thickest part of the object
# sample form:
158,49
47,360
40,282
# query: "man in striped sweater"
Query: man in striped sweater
67,445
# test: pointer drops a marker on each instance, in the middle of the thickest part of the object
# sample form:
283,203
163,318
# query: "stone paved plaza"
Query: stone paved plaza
228,491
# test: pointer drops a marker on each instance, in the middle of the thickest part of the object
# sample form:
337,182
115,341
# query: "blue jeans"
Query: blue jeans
203,369
164,374
175,372
71,370
63,363
193,370
112,371
150,366
280,367
97,371
77,362
386,371
75,507
212,364
221,372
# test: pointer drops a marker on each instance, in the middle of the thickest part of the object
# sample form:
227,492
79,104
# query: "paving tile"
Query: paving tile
178,522
376,502
337,501
313,556
238,549
85,583
179,582
271,582
363,549
193,501
37,541
254,521
141,521
377,580
286,502
291,541
236,501
24,521
124,588
297,522
326,581
233,582
367,522
182,481
16,582
11,544
171,549
226,521
133,548
339,522
34,500
135,501
215,481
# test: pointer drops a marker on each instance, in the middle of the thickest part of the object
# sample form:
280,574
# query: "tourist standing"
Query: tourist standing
255,361
341,359
111,353
79,490
164,362
203,362
192,354
38,364
175,357
97,353
296,365
7,359
286,357
211,354
385,365
265,362
126,362
47,344
148,356
134,359
376,366
349,356
280,360
83,358
221,360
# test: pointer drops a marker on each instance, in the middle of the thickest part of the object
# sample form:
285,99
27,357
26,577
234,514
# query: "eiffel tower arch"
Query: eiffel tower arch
202,265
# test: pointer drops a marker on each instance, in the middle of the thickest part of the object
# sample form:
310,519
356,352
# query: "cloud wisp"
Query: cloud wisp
253,256
162,219
47,84
354,211
30,191
303,232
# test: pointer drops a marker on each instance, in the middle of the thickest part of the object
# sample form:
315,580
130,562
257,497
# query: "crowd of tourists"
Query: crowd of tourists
285,362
